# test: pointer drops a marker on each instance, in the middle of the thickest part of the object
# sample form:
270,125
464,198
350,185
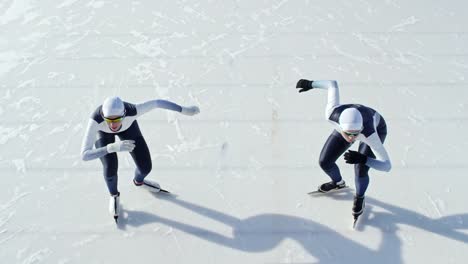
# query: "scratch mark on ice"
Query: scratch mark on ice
407,22
171,233
37,256
13,200
5,220
434,204
85,241
10,236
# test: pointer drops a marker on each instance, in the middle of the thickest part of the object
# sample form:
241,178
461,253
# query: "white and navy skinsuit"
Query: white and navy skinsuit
98,134
371,139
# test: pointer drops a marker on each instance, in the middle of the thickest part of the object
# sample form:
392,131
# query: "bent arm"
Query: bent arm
333,94
382,161
153,104
87,150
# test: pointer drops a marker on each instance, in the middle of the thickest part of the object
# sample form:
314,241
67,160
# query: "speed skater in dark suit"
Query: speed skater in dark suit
352,122
118,118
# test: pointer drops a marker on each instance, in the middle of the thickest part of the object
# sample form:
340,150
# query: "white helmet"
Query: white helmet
350,119
113,106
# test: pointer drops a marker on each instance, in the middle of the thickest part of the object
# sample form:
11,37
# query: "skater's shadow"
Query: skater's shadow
388,221
265,232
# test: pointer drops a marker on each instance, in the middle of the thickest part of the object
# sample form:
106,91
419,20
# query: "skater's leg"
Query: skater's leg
140,154
334,147
109,163
361,176
361,171
142,158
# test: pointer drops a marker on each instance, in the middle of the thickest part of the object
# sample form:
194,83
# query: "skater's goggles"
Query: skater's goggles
114,120
352,133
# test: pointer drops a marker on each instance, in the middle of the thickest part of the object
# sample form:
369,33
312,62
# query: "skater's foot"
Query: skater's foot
151,186
329,186
358,205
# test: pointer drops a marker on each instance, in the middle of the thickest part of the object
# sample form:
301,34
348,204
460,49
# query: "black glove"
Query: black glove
354,157
304,84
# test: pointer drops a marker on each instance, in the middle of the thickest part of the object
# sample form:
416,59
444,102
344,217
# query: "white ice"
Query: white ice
242,168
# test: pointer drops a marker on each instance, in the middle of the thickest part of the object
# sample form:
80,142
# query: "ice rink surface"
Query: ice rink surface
242,168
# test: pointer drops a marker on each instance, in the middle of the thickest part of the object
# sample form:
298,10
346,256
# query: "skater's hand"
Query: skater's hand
119,146
190,111
354,157
304,84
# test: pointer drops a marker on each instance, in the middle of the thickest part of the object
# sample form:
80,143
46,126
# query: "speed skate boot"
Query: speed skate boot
330,186
151,186
358,205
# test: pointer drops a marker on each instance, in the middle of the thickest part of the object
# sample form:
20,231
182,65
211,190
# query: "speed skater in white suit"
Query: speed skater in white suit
352,122
116,117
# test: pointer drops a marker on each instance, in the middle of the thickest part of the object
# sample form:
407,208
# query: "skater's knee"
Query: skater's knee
110,171
325,164
361,170
110,177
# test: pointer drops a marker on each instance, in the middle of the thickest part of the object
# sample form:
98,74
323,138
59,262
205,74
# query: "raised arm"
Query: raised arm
153,104
330,85
333,94
164,104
